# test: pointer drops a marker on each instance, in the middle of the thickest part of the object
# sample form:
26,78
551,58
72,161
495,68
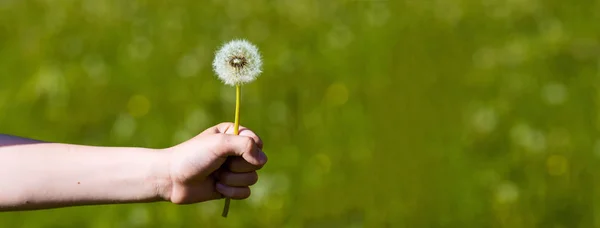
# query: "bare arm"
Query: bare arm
37,175
40,175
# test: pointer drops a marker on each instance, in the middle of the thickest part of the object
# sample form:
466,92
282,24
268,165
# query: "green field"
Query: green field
374,113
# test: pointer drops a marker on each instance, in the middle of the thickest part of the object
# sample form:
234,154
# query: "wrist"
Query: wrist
160,176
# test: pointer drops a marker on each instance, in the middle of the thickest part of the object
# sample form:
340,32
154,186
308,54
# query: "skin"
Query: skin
215,164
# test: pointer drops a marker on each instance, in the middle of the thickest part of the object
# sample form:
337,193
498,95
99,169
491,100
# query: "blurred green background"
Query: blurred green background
374,113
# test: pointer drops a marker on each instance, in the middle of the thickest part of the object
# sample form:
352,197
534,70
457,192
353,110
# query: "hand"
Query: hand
214,164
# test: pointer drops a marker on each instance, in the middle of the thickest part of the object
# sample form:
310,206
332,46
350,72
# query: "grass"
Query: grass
374,113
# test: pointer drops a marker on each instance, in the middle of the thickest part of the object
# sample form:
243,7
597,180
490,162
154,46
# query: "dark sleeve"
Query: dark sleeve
9,140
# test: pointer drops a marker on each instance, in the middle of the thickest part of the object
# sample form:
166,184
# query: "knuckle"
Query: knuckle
219,143
257,140
249,133
225,127
248,144
221,140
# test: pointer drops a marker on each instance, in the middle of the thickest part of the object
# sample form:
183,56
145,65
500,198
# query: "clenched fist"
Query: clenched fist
213,165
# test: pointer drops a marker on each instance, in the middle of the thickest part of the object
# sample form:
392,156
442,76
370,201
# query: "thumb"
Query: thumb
243,146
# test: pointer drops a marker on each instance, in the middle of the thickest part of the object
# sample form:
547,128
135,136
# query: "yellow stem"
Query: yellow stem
238,98
236,131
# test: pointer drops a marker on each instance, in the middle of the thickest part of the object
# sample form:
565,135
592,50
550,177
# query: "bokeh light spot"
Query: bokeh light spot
448,11
507,192
139,217
552,32
484,120
337,94
530,139
124,127
96,69
140,48
377,15
197,120
554,93
50,81
138,106
340,37
210,208
267,187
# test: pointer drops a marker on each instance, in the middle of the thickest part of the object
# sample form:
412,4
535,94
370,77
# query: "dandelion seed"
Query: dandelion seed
237,62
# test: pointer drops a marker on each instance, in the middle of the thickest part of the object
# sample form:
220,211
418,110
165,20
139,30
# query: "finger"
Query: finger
238,179
239,165
227,128
235,145
233,192
249,133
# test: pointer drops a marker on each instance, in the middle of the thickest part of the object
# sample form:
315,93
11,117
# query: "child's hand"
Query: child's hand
213,165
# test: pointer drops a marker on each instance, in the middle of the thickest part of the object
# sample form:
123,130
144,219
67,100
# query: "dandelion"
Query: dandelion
236,63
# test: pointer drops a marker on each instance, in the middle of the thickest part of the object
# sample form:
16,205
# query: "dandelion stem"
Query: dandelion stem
236,131
238,98
226,208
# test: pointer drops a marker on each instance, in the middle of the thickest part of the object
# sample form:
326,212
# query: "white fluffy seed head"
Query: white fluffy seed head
237,62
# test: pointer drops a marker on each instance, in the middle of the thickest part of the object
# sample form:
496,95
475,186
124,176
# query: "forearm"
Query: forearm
50,175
